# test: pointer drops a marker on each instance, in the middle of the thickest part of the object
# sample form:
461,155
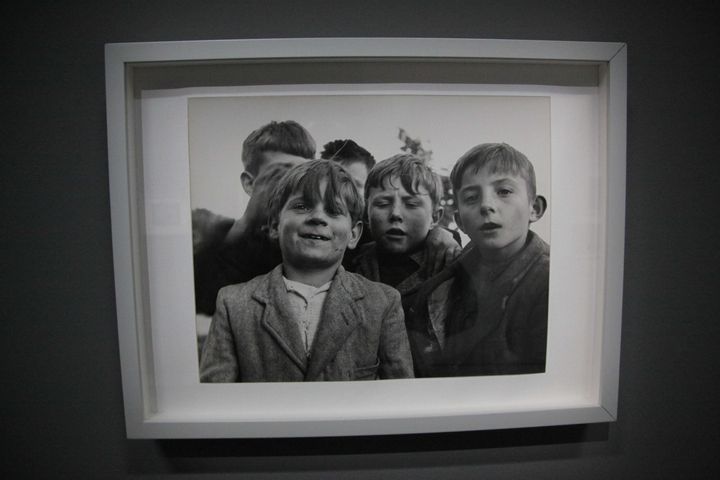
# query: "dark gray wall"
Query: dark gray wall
62,414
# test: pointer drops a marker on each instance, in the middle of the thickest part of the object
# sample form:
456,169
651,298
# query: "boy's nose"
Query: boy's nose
395,214
318,217
487,206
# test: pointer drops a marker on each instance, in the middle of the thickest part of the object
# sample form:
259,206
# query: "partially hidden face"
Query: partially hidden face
269,158
313,236
400,220
359,173
495,211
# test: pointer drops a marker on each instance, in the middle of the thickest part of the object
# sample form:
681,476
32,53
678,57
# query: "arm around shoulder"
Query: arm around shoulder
394,350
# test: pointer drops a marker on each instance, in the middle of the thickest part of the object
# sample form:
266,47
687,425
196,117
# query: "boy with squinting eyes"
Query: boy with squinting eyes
403,205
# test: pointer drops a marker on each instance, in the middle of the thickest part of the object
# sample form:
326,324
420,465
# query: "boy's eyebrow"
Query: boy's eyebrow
386,192
511,179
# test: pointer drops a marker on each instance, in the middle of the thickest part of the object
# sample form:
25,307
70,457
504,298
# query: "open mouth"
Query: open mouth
489,227
395,232
313,236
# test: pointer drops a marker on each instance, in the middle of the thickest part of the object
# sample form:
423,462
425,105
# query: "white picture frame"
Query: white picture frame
165,400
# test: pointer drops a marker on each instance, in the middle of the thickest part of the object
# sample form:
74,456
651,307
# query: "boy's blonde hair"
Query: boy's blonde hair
341,195
413,173
498,157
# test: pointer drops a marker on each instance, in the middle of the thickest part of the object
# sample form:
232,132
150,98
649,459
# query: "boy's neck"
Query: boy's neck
389,256
314,278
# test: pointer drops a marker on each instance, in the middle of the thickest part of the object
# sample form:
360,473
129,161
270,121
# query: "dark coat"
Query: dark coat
456,328
366,264
253,337
217,263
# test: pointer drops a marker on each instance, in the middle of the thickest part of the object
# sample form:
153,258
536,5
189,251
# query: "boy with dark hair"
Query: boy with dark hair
309,319
487,313
356,160
286,142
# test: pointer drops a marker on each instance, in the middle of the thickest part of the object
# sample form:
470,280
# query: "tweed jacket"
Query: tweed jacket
457,327
253,337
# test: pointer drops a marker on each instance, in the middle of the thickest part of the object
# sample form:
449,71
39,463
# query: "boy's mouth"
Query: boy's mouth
489,227
313,236
395,232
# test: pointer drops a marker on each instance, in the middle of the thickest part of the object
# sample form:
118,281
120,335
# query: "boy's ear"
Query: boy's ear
247,180
355,234
272,231
538,208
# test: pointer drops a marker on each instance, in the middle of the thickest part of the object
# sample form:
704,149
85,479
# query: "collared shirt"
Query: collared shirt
306,303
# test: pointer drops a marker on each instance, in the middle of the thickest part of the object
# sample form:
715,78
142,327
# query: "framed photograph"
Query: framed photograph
178,114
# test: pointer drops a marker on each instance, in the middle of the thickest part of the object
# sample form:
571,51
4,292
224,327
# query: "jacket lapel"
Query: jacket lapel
416,278
338,320
493,295
278,320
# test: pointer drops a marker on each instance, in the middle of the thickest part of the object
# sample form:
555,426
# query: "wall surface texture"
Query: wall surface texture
62,400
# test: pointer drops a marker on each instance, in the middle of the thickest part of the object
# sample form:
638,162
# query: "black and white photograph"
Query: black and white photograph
379,240
288,242
298,316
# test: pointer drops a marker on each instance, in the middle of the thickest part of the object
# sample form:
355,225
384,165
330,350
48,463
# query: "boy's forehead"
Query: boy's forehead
270,157
357,170
309,187
488,174
393,183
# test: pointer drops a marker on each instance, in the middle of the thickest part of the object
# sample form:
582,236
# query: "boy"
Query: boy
221,260
222,253
354,158
487,314
309,319
403,206
443,246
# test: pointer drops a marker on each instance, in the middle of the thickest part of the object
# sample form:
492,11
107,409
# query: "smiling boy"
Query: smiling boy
488,313
309,319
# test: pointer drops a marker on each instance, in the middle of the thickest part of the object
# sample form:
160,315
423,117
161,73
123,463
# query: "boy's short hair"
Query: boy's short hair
499,157
286,137
347,151
412,171
341,196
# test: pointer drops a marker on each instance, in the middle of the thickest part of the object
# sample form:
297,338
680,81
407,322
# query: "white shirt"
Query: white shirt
306,303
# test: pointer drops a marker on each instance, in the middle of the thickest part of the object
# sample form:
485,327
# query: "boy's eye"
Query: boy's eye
470,198
298,206
412,204
503,192
381,203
